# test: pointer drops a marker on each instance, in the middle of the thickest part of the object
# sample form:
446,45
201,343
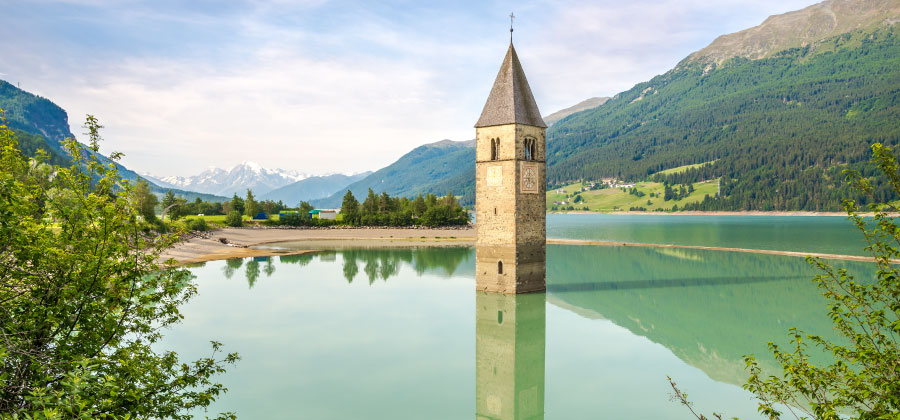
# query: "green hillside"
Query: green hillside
31,143
433,168
34,114
643,196
780,129
37,115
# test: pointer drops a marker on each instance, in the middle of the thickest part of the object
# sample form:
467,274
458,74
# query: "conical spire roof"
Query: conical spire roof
511,100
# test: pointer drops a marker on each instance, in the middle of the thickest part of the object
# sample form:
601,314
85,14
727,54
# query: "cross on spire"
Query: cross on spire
512,16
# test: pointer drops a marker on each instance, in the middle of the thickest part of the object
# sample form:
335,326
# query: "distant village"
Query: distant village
589,186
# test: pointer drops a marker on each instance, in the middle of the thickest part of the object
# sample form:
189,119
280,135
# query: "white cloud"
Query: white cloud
281,108
276,88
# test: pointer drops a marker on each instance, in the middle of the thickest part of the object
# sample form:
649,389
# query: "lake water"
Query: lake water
402,334
817,234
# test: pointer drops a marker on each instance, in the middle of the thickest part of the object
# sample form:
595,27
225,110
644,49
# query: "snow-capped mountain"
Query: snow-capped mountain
227,182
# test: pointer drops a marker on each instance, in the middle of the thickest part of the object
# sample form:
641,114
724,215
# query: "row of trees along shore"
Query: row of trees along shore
376,210
173,207
384,210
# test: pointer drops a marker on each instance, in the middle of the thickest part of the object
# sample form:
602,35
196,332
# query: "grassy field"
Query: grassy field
683,168
614,199
219,219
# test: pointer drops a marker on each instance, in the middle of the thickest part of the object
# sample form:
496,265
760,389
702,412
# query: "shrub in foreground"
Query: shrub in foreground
83,299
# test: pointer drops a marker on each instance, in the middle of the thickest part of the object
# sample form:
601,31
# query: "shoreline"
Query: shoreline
255,242
717,213
800,254
228,243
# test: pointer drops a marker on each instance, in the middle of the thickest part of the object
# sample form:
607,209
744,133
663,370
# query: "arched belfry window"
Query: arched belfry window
495,149
499,267
529,147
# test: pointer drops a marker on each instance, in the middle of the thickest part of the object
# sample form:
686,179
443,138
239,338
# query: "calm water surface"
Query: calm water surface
401,333
831,234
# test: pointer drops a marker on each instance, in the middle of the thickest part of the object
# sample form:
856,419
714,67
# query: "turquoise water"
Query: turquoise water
401,333
816,234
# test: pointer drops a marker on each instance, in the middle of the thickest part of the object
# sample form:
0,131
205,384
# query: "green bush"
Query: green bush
198,224
234,219
84,300
294,219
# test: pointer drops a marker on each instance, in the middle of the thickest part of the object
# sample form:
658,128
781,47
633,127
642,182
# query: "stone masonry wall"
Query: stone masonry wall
510,223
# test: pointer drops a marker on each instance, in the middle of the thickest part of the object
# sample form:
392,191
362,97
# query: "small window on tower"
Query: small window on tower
495,149
499,267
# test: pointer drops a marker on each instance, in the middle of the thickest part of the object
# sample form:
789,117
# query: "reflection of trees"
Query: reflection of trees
252,272
301,260
269,269
386,262
231,265
445,259
371,269
350,267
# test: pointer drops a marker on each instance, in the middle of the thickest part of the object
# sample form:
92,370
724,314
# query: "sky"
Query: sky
324,86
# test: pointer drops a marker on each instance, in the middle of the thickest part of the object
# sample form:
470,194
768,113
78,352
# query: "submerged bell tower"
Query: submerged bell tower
510,186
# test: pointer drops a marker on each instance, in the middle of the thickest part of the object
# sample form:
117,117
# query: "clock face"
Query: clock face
529,178
494,176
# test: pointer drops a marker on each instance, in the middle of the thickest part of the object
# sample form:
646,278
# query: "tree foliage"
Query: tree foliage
234,219
144,201
251,206
863,381
83,299
384,210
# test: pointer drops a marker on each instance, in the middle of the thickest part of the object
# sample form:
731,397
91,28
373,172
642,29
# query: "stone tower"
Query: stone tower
510,186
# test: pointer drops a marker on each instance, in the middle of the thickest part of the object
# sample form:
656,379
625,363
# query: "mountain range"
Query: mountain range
438,168
235,180
312,188
779,118
778,111
41,124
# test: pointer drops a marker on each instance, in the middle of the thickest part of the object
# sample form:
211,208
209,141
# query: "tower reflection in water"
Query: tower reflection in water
509,356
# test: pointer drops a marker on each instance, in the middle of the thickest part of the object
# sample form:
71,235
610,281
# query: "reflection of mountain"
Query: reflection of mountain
709,308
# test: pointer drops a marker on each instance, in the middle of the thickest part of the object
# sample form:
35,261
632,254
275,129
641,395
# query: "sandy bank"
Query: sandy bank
257,242
718,248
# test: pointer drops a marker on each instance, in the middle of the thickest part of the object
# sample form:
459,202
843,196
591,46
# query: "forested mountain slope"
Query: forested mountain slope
31,143
797,29
432,168
780,129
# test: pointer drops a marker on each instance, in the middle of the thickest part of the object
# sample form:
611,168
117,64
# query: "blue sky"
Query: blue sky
331,86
